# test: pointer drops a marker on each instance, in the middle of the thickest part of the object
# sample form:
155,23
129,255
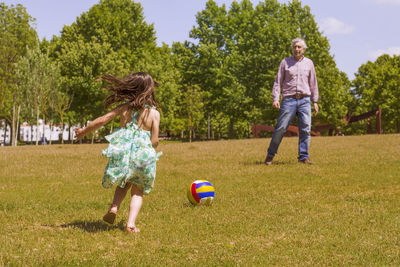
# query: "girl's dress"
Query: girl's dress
132,157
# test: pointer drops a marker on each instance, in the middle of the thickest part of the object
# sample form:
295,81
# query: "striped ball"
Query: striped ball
201,192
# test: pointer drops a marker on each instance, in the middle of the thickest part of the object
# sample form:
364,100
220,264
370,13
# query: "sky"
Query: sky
358,30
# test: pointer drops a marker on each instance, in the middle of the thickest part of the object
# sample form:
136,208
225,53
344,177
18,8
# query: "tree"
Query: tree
16,35
112,37
60,101
80,64
163,66
193,108
38,78
377,85
119,23
238,53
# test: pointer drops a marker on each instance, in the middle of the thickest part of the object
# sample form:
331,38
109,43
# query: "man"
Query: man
297,76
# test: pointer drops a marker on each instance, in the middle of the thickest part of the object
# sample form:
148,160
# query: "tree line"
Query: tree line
216,86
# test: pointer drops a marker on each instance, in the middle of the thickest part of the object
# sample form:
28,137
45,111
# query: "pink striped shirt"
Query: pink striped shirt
297,77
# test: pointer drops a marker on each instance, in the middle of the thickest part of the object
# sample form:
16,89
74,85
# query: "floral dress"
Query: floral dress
132,157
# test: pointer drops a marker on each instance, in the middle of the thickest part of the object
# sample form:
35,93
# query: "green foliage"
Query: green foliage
38,81
81,63
119,23
376,85
239,51
193,104
112,37
16,36
223,79
162,65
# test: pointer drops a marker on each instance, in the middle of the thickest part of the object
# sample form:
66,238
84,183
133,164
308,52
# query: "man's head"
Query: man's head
298,47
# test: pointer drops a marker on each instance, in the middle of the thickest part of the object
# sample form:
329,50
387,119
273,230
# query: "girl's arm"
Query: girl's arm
99,122
155,128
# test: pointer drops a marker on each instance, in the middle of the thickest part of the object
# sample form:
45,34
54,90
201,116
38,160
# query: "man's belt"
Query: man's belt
297,96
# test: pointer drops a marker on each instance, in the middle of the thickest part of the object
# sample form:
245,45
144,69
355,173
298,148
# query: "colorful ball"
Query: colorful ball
201,192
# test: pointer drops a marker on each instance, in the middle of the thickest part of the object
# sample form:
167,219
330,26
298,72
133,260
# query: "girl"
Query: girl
131,152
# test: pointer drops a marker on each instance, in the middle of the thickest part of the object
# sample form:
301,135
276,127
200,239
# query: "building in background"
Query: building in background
5,133
31,133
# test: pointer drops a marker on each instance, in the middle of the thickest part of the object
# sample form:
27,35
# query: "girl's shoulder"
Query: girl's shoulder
147,118
151,111
156,113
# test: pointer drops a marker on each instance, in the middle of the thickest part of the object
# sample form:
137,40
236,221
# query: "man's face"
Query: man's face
298,50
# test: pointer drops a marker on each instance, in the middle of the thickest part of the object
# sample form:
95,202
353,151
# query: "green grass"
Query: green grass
345,210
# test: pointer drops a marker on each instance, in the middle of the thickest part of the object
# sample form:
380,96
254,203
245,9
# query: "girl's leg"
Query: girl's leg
119,195
134,208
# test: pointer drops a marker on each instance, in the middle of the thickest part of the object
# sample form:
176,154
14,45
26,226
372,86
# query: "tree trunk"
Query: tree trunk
44,130
208,127
70,139
16,136
13,121
5,131
231,129
51,127
62,131
219,130
37,125
69,133
398,126
31,135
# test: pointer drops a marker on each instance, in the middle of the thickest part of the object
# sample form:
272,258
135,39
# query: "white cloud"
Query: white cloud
390,2
335,26
395,50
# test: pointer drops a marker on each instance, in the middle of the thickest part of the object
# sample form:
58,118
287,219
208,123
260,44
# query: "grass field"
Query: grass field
345,210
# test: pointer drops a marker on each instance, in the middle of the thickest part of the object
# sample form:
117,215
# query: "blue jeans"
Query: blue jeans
289,108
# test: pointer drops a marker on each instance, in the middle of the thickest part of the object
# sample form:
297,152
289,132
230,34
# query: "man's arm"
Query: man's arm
276,90
312,82
316,108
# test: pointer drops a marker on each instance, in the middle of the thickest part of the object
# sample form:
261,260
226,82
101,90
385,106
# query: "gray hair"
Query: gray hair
299,40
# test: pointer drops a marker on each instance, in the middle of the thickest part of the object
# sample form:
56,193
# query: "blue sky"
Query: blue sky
358,30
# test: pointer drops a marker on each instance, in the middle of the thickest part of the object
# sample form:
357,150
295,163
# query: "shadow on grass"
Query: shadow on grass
188,205
92,227
262,163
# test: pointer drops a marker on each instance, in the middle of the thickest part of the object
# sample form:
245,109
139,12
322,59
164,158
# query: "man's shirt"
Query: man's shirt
297,77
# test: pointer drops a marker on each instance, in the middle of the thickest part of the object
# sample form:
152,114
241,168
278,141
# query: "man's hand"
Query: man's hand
276,104
316,108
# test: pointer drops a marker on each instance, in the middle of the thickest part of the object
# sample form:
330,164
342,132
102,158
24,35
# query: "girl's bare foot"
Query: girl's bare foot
132,229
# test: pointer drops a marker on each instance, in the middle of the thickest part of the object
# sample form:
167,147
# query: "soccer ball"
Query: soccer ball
201,192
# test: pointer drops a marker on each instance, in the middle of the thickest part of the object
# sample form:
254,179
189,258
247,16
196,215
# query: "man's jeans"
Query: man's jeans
289,108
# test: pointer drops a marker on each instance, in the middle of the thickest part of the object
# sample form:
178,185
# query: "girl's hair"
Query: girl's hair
136,89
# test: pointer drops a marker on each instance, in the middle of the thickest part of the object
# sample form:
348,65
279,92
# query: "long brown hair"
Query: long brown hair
136,89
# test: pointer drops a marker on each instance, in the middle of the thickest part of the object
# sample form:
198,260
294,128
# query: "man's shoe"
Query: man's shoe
306,161
268,160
